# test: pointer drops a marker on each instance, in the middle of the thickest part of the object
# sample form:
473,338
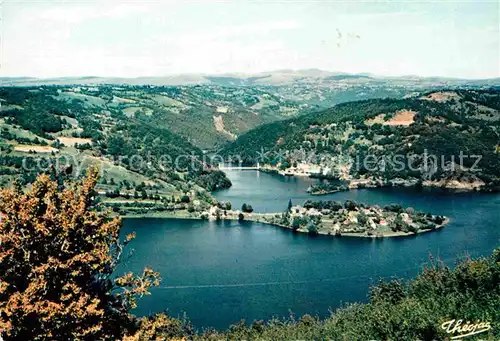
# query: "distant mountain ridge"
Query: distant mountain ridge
277,77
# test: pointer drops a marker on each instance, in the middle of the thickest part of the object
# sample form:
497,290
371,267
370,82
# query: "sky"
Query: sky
158,38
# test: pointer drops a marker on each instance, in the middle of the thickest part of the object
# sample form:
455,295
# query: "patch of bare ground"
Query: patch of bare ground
402,118
376,119
36,149
437,119
71,141
5,107
219,123
441,96
122,100
222,110
219,126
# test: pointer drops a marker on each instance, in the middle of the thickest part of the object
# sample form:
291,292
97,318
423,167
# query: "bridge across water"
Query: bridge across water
225,167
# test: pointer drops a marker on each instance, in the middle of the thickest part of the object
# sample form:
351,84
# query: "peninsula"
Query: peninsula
323,217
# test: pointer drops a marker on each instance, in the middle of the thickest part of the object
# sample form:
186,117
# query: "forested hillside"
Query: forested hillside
207,116
418,139
211,111
147,140
48,130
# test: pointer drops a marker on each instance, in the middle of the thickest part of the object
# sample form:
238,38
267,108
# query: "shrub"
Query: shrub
57,255
296,222
247,208
312,228
398,310
185,199
394,208
351,205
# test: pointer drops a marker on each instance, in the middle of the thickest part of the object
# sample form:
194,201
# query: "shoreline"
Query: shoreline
400,234
320,193
425,184
360,235
188,216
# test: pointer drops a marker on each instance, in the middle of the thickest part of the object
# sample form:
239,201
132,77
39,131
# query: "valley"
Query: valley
166,156
159,147
249,170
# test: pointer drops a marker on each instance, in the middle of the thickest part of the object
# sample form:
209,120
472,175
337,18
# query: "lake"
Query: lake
221,272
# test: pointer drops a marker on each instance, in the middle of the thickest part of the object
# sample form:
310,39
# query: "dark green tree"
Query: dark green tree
247,208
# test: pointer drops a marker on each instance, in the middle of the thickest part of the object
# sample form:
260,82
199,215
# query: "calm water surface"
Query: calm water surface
219,273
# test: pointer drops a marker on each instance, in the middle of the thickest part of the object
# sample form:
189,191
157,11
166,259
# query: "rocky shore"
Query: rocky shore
457,182
454,185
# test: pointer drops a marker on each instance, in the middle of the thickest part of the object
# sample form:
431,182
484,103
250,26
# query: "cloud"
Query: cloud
156,38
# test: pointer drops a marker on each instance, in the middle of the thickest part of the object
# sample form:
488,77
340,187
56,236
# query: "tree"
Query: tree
285,219
400,225
350,205
218,216
247,208
439,220
224,205
335,205
410,210
290,205
57,257
241,216
394,208
312,228
296,223
362,218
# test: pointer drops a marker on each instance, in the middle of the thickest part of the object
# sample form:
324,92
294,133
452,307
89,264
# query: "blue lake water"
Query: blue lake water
221,272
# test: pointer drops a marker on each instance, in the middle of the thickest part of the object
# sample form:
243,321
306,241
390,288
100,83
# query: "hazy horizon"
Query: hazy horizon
130,39
244,74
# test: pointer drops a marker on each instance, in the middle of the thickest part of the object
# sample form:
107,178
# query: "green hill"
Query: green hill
442,139
57,131
211,111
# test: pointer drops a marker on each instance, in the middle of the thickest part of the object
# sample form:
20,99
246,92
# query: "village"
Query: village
335,218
